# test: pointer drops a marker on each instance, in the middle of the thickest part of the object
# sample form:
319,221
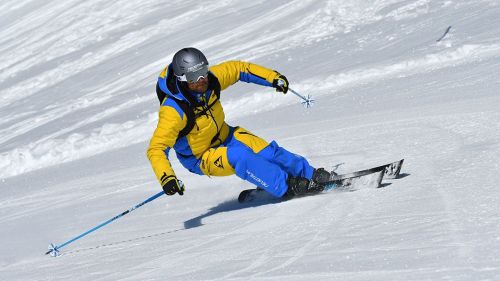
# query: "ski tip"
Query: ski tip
393,170
53,250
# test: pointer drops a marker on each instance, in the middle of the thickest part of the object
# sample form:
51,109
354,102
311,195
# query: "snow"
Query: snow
77,109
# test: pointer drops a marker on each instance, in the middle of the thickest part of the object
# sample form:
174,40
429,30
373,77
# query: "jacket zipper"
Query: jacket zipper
209,111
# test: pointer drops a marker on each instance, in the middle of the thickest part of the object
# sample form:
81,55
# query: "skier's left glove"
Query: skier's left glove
173,186
280,83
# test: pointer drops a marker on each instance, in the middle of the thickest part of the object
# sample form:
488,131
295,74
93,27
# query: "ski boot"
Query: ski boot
301,186
321,176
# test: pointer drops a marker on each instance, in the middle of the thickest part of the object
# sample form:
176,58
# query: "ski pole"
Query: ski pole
307,101
54,249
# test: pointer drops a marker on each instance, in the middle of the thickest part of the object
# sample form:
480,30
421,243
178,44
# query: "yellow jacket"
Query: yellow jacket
210,129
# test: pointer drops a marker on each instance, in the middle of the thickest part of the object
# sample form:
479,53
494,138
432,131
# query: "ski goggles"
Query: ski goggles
194,76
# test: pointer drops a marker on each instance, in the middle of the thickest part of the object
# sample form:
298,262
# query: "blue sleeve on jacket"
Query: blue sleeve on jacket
250,78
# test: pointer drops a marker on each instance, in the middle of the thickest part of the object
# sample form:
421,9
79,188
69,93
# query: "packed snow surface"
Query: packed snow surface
77,109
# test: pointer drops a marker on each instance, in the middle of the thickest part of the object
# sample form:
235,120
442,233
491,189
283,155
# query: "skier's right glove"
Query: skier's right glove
173,186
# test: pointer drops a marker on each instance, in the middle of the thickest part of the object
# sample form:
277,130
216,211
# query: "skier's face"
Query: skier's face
201,86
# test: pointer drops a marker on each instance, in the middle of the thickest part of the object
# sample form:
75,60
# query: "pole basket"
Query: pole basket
53,251
308,102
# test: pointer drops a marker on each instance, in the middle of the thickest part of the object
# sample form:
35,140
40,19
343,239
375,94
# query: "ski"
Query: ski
368,178
345,182
341,183
391,171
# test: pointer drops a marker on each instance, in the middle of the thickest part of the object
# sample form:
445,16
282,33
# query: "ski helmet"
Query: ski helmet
190,65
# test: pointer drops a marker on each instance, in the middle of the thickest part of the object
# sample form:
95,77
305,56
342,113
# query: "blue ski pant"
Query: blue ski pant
266,165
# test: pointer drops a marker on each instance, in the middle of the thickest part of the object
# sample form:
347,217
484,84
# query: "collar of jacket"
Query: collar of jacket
170,86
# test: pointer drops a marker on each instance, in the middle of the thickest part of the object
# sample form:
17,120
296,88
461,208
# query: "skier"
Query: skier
191,121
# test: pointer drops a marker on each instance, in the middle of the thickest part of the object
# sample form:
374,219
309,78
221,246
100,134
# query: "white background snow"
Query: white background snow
77,109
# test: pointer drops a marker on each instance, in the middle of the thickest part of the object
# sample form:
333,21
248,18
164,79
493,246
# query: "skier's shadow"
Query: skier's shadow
234,205
228,206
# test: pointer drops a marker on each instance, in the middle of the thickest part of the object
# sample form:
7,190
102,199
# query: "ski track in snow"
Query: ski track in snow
77,108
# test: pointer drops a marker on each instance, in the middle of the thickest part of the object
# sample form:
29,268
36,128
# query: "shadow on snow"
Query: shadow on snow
228,206
223,207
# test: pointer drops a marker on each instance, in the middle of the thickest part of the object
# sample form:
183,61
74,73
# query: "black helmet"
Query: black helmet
190,65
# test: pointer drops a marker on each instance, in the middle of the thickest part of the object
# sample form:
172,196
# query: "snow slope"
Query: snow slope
77,109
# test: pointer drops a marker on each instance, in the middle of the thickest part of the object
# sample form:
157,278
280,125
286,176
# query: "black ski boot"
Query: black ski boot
321,176
301,186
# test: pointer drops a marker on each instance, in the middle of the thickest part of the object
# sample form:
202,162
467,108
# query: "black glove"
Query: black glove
281,84
173,186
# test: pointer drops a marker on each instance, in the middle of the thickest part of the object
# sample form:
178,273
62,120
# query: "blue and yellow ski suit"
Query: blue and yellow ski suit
212,147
